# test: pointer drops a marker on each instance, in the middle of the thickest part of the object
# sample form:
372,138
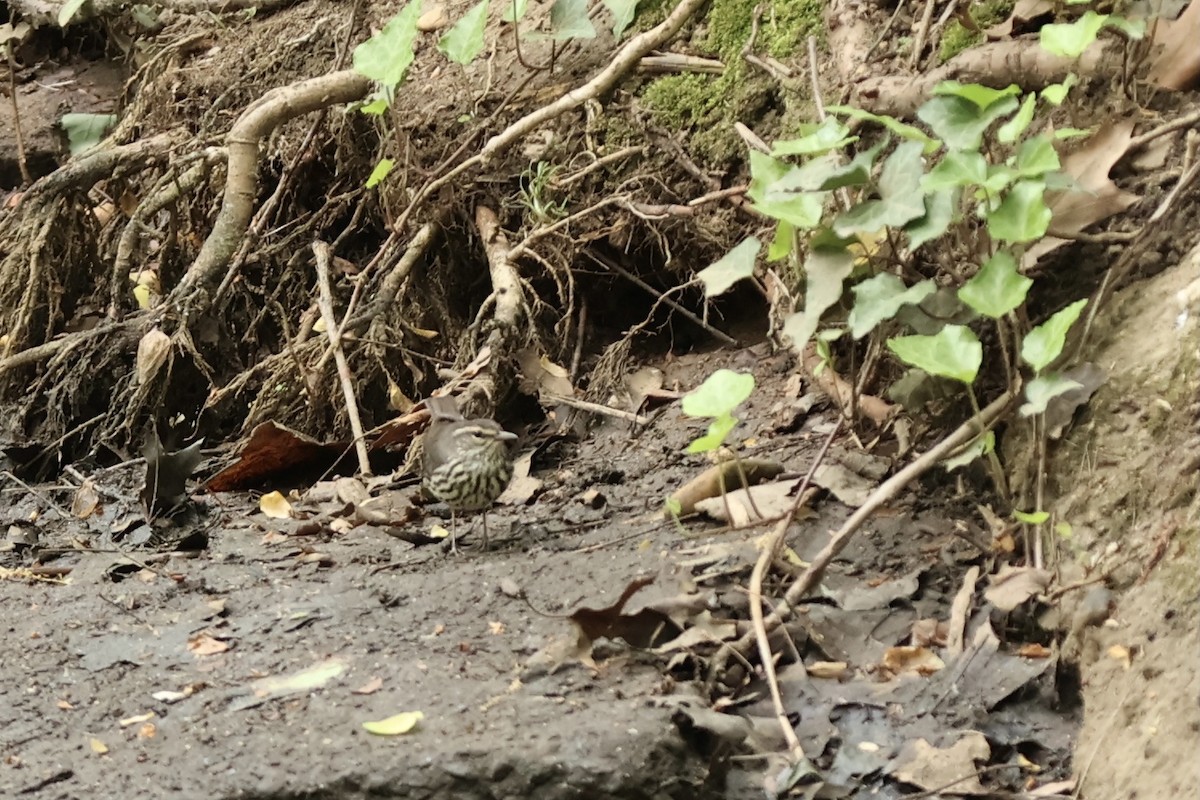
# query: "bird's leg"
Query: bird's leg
484,547
453,532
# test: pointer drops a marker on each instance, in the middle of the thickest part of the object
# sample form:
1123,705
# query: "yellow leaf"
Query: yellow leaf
438,532
319,325
141,293
423,333
395,726
275,506
98,747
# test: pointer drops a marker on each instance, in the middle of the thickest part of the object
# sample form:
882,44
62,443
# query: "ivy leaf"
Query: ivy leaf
730,268
957,168
982,96
85,131
386,56
1044,343
901,129
901,198
68,11
828,172
569,20
771,188
718,430
1055,93
1044,388
1035,157
980,446
953,352
961,123
466,39
816,139
879,298
514,10
781,245
1031,517
939,213
381,171
622,12
1022,216
997,288
826,268
719,395
1069,40
1010,131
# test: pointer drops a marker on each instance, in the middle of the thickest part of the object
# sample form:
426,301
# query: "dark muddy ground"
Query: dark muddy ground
156,684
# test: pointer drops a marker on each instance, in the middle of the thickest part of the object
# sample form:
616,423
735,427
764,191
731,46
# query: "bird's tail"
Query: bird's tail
443,408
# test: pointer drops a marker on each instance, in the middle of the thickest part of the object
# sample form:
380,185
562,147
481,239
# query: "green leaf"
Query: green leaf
1069,40
879,298
781,245
85,131
1055,93
816,139
980,446
380,172
1010,131
826,268
514,10
939,214
901,198
1035,157
953,352
68,11
982,96
997,288
998,179
730,268
1132,28
1031,517
960,123
569,20
828,172
1044,388
386,56
622,12
377,105
894,125
465,40
1044,343
673,506
718,430
772,184
957,168
719,395
1022,216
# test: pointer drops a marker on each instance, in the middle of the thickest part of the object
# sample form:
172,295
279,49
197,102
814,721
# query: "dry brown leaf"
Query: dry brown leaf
206,645
370,687
911,660
153,351
1177,66
933,768
85,501
1012,586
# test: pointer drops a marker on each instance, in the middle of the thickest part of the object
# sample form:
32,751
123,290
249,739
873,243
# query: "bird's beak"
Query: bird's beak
506,436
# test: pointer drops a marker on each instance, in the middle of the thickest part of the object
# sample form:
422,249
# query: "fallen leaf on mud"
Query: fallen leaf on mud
147,731
169,696
641,384
645,629
835,670
167,474
273,687
1023,12
846,485
911,660
389,508
396,725
98,747
510,588
274,449
496,628
852,593
1054,789
370,687
936,769
205,645
1121,654
273,537
541,376
1033,650
960,609
351,491
929,633
275,506
85,501
703,630
1061,409
523,486
1012,586
726,475
767,501
135,720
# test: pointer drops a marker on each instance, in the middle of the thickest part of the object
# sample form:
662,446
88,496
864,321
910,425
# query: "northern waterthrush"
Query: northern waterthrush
466,462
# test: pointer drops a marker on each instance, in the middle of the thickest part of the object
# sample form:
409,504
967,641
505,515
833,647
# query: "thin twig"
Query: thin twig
325,298
596,408
765,558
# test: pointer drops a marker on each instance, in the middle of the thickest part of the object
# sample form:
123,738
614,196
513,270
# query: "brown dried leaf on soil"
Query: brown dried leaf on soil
1177,66
933,768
